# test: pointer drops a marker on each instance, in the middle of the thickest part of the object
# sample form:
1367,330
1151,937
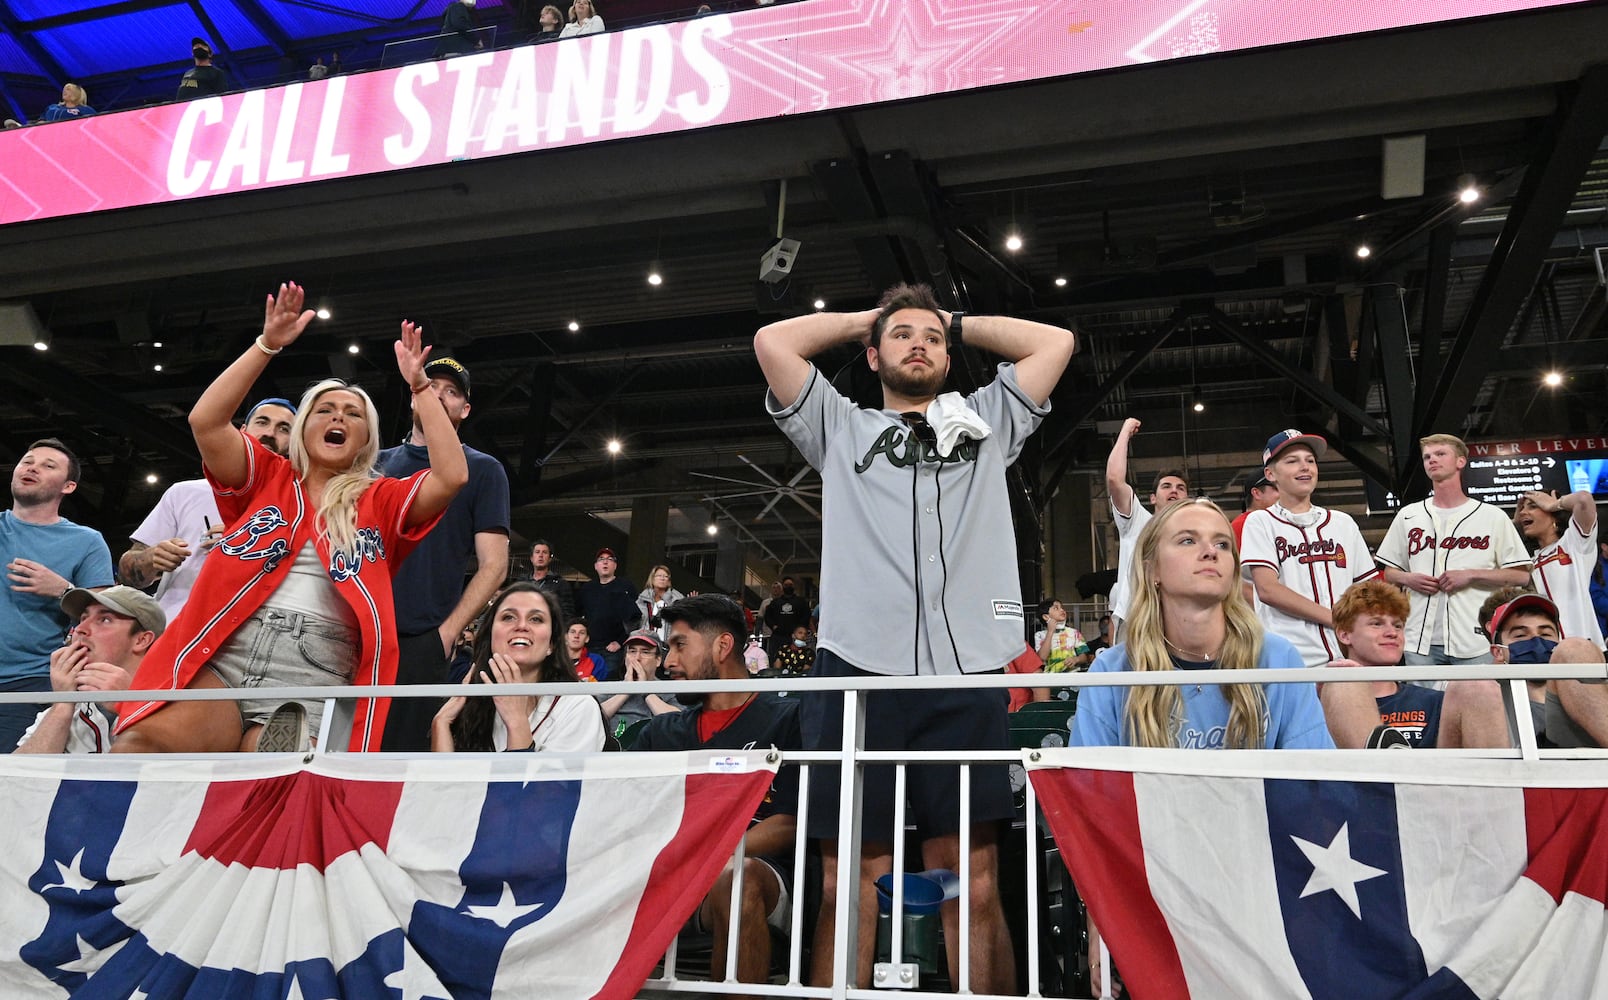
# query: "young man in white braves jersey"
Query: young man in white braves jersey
916,520
1130,515
1301,557
1450,552
1565,535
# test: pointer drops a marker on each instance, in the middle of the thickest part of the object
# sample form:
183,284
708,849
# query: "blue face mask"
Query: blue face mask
1533,651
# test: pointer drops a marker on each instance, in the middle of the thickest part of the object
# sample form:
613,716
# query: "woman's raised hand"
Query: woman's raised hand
411,355
284,319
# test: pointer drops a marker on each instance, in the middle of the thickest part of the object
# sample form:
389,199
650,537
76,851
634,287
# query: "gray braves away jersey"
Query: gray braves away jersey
918,562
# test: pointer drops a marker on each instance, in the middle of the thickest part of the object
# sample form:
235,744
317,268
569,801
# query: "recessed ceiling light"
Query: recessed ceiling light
322,314
614,446
1364,251
354,348
156,343
150,477
156,368
1060,282
1013,241
713,528
819,304
1552,379
574,326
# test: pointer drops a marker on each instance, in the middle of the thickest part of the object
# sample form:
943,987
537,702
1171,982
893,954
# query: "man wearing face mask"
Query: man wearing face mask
1523,628
203,79
458,30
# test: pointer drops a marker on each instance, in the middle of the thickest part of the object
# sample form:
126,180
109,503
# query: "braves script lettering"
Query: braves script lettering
1419,540
367,547
242,542
1316,550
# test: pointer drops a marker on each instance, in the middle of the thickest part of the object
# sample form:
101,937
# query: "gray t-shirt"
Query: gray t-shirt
918,561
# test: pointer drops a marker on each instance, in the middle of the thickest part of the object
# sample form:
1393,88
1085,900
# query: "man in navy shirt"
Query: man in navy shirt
1370,622
433,604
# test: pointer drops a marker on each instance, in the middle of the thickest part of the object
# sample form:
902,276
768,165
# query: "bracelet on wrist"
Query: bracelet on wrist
419,388
262,345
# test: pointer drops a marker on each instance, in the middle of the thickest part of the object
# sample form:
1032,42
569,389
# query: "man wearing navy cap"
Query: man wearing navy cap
185,521
1301,557
203,79
433,604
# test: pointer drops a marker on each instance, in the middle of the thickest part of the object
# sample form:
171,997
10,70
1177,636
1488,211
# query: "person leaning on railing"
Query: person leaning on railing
519,642
1187,612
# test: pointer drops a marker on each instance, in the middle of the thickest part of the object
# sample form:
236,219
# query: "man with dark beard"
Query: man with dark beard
175,536
916,522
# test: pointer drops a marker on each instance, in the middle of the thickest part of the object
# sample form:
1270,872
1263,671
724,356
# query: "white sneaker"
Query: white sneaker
285,731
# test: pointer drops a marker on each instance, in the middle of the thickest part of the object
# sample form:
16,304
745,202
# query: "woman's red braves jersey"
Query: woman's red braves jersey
269,520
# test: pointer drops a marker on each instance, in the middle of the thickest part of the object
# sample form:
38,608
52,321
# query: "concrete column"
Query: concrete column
1070,536
650,523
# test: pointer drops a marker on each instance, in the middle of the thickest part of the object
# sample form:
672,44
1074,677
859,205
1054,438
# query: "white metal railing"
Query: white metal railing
897,973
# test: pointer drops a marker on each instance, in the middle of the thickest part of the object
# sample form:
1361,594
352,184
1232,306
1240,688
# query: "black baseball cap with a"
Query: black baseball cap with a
449,368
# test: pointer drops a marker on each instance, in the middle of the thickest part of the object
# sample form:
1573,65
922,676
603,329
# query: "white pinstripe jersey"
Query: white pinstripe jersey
1318,554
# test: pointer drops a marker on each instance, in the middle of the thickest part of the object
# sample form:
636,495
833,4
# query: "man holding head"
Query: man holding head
433,603
170,544
1301,557
1131,516
114,627
45,556
1450,551
707,636
916,517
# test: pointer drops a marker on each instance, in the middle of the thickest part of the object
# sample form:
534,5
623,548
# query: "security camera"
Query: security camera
777,262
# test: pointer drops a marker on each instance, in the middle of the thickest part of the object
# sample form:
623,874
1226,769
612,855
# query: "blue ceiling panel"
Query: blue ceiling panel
238,31
14,60
32,10
142,38
309,20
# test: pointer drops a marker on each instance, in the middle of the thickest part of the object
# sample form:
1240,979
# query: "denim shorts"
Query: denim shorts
286,649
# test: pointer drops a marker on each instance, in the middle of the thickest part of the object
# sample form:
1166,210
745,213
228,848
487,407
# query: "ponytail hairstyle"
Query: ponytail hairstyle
336,516
471,730
1155,715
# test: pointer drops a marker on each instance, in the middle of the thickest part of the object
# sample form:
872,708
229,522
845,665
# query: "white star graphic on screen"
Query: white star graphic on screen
1334,868
506,911
72,875
415,979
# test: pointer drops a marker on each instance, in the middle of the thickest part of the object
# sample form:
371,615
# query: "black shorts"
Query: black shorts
963,719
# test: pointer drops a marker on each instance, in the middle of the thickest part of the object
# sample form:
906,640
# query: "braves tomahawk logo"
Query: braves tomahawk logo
242,543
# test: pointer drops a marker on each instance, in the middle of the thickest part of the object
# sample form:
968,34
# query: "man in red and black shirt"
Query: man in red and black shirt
707,636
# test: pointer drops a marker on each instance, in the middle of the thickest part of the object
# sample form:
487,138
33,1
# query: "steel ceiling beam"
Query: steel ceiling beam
61,384
1322,392
1570,144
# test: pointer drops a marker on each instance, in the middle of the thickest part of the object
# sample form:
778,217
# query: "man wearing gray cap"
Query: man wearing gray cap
114,628
643,650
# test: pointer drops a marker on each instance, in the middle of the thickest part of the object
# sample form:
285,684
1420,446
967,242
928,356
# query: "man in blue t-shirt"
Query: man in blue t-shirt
1370,623
433,604
45,556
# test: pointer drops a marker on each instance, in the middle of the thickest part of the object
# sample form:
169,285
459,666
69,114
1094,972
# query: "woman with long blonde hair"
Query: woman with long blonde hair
297,591
1187,612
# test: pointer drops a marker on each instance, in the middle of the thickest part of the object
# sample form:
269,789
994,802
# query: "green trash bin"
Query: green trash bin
924,893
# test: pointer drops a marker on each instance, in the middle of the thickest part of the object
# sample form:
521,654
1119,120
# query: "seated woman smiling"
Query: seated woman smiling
1188,613
518,642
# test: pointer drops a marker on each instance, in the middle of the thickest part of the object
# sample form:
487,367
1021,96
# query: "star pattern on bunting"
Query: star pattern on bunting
72,876
416,979
1334,869
507,909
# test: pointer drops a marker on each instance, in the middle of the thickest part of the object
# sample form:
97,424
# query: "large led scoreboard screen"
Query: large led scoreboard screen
1500,472
767,62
